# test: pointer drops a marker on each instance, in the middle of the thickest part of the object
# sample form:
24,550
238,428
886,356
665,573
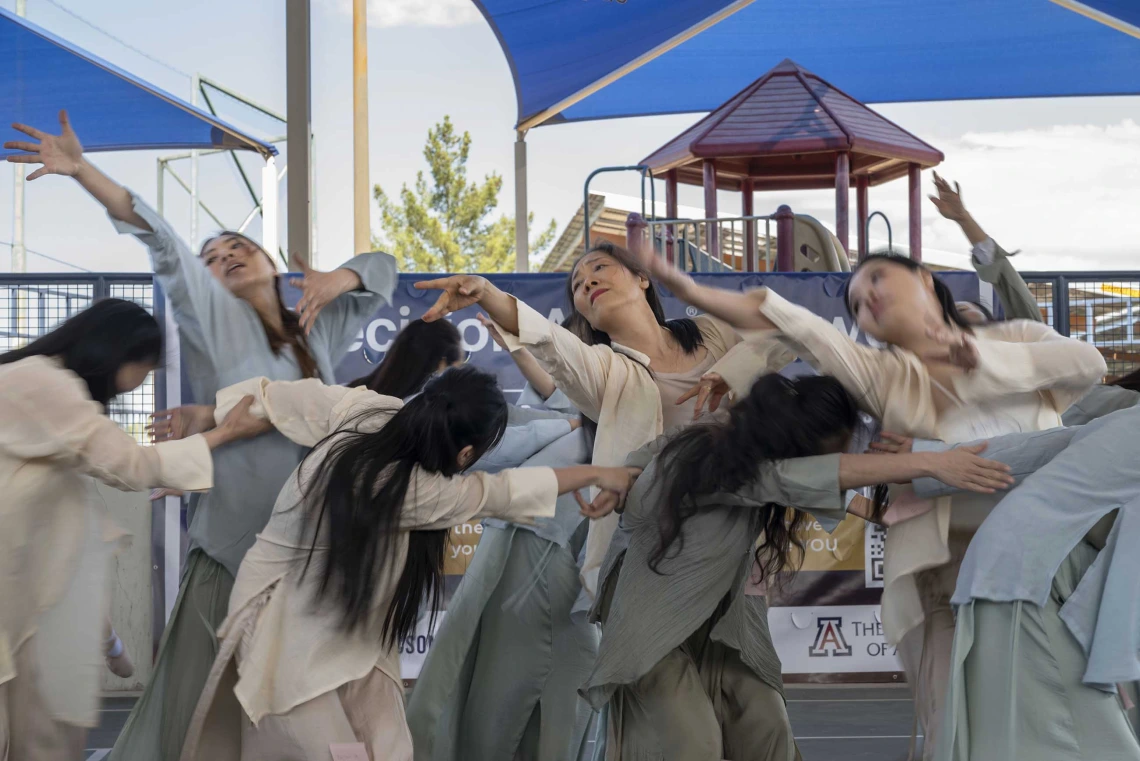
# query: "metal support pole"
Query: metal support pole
298,109
915,176
522,231
269,207
670,212
362,228
785,239
746,197
19,252
843,200
195,85
861,200
709,168
160,199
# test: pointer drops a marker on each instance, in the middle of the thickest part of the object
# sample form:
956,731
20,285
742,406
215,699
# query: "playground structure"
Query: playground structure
788,130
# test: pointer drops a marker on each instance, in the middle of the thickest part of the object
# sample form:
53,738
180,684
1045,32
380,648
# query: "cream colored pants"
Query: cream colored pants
925,650
27,731
368,711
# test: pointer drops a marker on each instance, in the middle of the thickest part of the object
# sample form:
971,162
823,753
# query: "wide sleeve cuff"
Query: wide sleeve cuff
534,329
377,272
186,464
760,353
531,493
985,252
229,396
157,224
1006,368
811,484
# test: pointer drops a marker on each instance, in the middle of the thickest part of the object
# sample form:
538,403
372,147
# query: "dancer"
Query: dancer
621,362
1046,617
993,266
353,550
501,678
618,361
56,540
233,325
1023,377
679,646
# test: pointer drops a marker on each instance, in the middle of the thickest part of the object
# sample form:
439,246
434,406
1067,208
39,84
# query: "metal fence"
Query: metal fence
1102,308
31,305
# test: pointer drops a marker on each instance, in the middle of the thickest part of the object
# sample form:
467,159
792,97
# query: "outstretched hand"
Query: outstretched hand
949,201
711,389
58,154
457,292
962,468
319,289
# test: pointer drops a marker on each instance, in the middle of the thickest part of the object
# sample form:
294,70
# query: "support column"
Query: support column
361,218
635,227
746,193
195,88
670,213
862,184
522,226
298,113
785,239
712,233
915,177
19,252
269,207
842,199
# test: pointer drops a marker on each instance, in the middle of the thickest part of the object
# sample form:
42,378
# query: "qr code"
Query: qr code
874,541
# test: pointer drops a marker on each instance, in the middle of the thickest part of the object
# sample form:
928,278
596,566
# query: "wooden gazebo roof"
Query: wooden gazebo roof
785,130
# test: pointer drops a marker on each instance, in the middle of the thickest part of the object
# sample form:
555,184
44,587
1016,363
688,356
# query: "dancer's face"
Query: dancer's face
891,303
604,288
131,375
238,264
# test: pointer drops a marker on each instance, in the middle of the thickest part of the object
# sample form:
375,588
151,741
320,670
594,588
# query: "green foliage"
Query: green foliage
446,224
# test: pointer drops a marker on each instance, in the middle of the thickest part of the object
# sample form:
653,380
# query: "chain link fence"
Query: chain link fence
1102,308
31,305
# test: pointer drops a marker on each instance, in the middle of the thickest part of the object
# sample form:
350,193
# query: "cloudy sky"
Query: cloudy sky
1059,179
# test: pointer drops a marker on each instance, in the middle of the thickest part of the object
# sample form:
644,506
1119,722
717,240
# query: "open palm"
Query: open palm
59,154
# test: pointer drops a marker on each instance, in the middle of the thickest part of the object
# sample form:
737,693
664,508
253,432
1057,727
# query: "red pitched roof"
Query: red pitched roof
791,111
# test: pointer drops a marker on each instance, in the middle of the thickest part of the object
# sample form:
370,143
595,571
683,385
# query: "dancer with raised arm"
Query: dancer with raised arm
233,325
994,266
938,378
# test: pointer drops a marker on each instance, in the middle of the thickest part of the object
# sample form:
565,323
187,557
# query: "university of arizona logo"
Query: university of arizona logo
829,639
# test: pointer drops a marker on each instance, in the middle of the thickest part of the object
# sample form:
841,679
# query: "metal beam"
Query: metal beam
522,213
298,110
361,225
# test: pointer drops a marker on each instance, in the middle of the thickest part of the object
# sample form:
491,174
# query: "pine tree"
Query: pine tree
446,224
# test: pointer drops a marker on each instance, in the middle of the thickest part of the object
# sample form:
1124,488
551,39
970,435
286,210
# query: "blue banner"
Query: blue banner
822,293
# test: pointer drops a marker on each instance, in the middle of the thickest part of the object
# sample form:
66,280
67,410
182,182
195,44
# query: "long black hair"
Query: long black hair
357,492
415,355
942,292
291,333
98,341
1131,381
779,419
684,331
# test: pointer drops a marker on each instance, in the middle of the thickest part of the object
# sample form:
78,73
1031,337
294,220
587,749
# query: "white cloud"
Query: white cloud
390,13
1067,196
